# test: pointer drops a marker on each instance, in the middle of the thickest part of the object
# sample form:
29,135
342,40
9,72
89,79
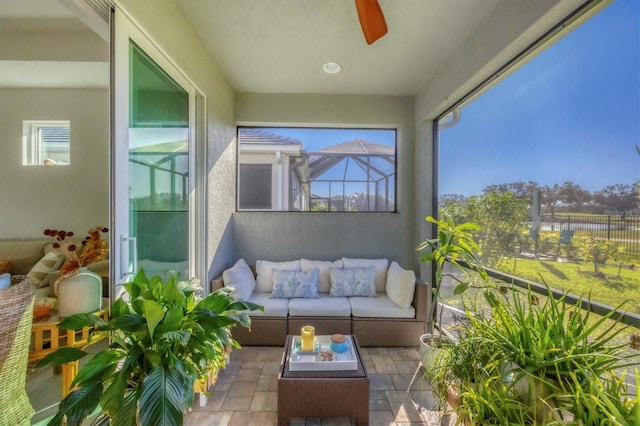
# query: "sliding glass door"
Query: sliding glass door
153,167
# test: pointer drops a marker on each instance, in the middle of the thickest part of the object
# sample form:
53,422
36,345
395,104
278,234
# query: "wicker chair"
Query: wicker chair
16,314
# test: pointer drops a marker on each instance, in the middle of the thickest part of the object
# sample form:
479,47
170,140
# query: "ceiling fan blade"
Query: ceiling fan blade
372,19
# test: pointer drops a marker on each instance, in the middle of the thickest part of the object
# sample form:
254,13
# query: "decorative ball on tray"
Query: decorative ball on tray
339,343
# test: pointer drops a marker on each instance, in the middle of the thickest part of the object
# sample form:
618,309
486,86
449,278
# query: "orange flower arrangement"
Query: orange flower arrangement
95,248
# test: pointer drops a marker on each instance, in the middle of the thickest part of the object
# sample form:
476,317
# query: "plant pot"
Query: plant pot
79,292
430,347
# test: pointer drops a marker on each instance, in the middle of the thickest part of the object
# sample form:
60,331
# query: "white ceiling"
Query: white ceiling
279,46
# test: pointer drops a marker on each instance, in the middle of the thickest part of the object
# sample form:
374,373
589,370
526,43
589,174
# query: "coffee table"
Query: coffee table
337,393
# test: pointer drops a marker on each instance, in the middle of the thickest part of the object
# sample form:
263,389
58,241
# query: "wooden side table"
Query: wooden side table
47,338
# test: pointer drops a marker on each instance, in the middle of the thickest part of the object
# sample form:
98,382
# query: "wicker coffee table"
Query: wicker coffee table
339,393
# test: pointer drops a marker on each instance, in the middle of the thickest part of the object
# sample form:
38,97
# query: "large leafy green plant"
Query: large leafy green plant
162,340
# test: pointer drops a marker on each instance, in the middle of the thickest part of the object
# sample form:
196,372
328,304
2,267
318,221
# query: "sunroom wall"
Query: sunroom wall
327,236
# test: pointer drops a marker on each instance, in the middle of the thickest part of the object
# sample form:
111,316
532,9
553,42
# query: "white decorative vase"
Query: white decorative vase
80,293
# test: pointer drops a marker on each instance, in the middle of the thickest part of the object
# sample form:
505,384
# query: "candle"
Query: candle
308,338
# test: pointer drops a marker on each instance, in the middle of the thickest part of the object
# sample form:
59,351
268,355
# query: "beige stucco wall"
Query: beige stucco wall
168,27
282,236
73,197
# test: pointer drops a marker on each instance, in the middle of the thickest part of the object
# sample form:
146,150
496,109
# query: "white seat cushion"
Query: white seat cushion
324,306
272,307
379,307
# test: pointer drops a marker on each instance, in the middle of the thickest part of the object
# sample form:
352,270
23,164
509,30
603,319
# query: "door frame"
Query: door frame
123,29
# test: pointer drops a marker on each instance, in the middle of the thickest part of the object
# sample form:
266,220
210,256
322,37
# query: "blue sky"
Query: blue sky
570,114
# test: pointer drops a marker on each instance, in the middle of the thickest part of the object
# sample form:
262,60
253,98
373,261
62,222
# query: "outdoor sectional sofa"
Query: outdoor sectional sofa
390,311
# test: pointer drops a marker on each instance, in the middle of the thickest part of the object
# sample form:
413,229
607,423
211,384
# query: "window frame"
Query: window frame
286,179
32,144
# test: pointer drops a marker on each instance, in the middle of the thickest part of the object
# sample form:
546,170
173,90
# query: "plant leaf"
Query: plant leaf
79,321
154,314
80,403
460,288
97,365
130,323
61,356
162,398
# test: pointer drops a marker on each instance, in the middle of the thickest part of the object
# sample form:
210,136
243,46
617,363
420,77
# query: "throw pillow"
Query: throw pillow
290,284
381,266
5,280
5,266
323,267
240,277
353,282
264,272
401,285
49,263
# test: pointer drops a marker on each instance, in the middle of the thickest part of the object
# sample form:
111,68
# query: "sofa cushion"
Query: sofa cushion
379,307
50,262
347,282
272,307
290,284
23,253
241,278
401,285
323,267
381,266
264,272
324,306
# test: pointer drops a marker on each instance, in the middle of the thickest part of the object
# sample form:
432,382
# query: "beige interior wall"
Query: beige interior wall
73,197
329,236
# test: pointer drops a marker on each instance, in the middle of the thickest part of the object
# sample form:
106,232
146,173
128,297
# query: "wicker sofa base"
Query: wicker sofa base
389,332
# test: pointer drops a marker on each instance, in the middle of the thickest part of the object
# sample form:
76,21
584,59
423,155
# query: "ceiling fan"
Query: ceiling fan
372,19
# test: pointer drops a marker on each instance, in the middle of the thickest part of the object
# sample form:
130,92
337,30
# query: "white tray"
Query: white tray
312,361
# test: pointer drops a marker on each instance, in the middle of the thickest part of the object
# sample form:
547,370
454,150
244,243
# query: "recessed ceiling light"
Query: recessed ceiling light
331,68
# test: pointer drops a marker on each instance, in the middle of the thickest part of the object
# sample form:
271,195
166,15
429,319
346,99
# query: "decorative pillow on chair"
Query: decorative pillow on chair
381,266
240,277
5,266
401,285
264,272
49,263
353,282
290,284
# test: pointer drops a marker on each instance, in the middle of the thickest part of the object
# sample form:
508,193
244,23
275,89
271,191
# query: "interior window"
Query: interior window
316,169
46,143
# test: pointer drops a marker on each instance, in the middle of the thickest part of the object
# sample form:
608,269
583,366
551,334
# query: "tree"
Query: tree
522,190
573,195
551,197
618,198
502,218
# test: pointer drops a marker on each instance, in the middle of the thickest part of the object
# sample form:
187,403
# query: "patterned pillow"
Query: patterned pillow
49,263
290,284
353,282
5,266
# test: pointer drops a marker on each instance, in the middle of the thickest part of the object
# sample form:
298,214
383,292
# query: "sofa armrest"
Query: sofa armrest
420,299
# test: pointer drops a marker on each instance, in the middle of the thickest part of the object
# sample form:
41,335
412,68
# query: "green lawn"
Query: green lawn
579,278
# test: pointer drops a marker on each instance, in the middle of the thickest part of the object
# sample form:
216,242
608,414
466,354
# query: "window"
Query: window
316,169
546,162
45,143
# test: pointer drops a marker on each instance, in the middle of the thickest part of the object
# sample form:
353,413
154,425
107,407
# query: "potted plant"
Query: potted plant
163,339
545,364
454,245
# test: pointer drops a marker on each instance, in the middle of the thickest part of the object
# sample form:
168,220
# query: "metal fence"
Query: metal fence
622,229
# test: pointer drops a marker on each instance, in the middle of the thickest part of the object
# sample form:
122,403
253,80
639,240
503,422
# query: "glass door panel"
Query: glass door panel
158,166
